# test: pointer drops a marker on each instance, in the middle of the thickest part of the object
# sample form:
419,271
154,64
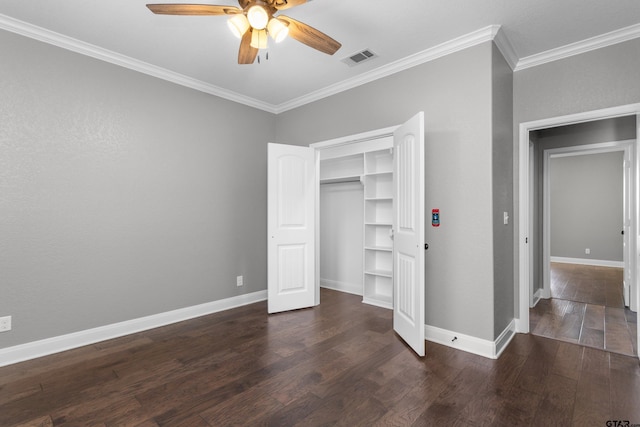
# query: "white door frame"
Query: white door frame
522,322
626,147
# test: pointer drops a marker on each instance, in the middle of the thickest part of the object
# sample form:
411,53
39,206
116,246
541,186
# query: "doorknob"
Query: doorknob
426,246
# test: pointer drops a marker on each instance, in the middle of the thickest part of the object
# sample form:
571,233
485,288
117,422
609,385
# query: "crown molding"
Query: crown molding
74,45
593,43
506,48
490,33
480,36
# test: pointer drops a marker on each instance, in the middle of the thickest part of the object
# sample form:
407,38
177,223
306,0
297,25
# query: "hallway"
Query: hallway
586,307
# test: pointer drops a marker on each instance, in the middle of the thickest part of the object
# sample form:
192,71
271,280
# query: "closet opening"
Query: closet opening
356,217
389,165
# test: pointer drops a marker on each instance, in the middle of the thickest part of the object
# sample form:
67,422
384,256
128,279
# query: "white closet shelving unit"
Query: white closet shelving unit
378,243
342,169
373,166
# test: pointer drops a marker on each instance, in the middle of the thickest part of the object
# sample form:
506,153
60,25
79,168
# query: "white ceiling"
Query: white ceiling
201,52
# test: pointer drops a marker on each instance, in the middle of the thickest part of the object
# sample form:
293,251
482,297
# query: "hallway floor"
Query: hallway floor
586,307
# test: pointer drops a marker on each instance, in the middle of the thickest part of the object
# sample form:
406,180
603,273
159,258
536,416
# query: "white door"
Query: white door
626,227
291,227
408,233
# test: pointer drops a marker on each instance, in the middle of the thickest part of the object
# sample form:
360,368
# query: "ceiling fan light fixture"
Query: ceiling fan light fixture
259,39
258,17
277,29
238,24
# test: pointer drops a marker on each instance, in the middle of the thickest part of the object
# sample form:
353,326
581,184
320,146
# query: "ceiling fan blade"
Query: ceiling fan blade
310,36
247,53
193,9
286,4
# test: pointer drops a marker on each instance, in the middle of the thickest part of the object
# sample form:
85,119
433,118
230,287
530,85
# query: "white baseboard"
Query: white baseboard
540,294
522,327
485,348
32,350
585,261
350,288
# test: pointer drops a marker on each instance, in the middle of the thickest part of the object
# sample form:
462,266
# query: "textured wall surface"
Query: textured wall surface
121,195
502,181
586,199
341,232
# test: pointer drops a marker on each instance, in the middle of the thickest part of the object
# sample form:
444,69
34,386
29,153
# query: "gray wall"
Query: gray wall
502,178
341,233
598,79
608,130
586,201
121,195
455,92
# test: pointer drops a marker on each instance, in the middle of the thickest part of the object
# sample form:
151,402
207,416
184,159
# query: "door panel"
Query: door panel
291,227
626,227
408,226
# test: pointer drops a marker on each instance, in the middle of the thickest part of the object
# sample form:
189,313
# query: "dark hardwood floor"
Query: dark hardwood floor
587,307
336,364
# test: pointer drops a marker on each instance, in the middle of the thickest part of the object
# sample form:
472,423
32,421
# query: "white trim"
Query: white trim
522,322
41,34
377,303
32,350
614,37
537,296
489,33
470,344
359,137
336,285
540,294
460,43
503,340
38,33
585,261
506,48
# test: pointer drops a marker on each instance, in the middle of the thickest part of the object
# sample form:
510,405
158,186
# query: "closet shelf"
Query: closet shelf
340,179
385,172
379,224
383,273
379,248
379,198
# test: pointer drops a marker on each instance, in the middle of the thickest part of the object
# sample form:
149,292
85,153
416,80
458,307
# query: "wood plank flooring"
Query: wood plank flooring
336,364
586,307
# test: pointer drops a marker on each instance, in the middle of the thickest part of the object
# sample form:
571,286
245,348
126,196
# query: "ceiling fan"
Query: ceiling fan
253,20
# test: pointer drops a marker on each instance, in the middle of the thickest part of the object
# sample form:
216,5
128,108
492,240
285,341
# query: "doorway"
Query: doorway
529,243
583,205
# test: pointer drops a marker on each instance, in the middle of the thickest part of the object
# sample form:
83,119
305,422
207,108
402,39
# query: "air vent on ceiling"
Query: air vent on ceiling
359,57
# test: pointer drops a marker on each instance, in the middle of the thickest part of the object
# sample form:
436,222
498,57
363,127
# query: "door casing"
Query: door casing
523,284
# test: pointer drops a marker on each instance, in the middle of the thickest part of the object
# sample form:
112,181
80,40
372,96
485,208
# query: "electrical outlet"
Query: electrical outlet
5,323
587,251
239,281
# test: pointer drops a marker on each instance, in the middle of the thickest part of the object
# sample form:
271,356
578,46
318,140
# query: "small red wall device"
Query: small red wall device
435,217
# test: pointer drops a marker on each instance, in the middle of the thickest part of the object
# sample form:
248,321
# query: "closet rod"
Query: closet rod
340,180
